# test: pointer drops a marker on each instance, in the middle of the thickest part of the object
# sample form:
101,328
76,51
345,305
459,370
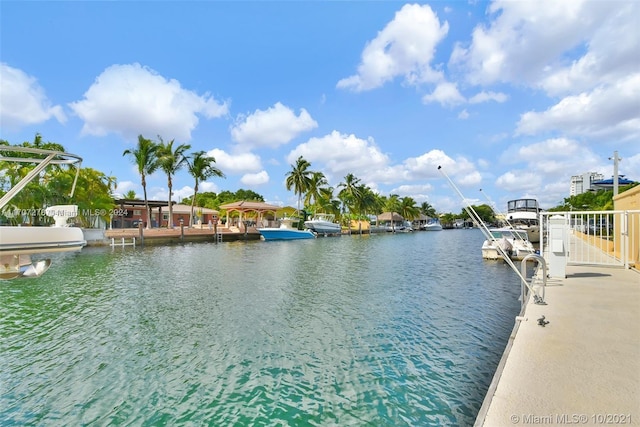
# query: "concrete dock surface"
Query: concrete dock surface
583,367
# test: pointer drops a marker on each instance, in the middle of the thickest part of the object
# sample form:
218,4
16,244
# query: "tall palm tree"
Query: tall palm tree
299,178
201,168
317,189
171,161
349,192
145,157
393,205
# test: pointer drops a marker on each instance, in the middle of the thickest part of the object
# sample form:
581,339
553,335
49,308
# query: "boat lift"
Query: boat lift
527,287
19,243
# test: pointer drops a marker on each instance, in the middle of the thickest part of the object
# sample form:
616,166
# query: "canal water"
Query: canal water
380,330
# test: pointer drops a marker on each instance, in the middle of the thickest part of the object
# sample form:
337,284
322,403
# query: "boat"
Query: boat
17,243
432,225
511,242
523,214
286,231
405,227
323,223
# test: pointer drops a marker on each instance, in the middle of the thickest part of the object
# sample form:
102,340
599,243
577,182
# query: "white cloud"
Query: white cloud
488,96
131,99
276,126
208,187
519,180
255,179
405,47
235,163
23,101
527,40
606,112
341,154
125,186
181,193
463,115
446,94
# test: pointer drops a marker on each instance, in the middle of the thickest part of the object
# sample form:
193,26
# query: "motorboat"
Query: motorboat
19,243
432,225
405,227
523,214
507,241
323,224
286,231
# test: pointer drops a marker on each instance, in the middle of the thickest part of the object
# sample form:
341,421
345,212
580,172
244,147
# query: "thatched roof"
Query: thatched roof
244,206
390,216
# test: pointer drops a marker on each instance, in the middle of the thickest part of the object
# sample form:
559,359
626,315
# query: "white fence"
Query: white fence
609,238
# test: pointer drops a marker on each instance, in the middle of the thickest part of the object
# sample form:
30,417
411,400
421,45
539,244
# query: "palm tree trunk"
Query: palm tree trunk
146,201
170,185
193,202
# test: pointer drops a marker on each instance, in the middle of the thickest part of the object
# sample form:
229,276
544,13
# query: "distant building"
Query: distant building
607,184
583,183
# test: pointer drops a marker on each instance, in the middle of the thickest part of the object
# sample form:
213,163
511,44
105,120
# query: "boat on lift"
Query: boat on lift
323,224
286,231
523,214
17,243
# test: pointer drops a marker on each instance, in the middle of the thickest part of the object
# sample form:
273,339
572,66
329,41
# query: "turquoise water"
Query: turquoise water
382,330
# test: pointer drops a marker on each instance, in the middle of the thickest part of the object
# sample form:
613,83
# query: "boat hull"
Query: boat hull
285,234
432,227
35,240
323,228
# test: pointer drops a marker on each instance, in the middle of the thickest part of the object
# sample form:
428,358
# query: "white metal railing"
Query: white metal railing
609,238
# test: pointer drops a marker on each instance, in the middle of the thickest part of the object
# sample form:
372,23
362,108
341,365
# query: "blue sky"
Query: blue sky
513,97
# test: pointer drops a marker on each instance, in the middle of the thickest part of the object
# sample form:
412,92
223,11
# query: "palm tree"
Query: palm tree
145,157
171,161
317,189
349,192
409,210
428,210
299,178
131,194
393,205
201,168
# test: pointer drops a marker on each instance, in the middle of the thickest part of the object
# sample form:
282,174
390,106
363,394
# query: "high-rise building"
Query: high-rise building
583,183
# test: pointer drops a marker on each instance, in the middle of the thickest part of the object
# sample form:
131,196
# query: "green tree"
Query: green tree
171,160
36,195
131,194
201,167
299,178
243,194
408,208
145,157
428,210
93,194
316,191
349,192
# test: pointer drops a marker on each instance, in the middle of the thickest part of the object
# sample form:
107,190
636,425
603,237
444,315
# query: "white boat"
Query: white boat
323,223
286,231
514,243
523,214
432,225
18,244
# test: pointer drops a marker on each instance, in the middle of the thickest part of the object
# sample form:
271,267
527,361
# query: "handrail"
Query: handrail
523,270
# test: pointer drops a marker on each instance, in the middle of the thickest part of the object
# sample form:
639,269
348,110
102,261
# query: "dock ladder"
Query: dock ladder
123,242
